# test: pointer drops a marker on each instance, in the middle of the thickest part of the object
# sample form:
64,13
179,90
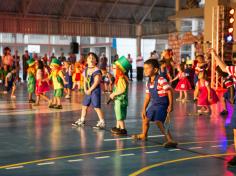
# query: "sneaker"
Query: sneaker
232,162
31,101
178,99
58,107
5,92
100,125
122,132
52,106
170,144
224,112
78,123
13,97
67,96
115,130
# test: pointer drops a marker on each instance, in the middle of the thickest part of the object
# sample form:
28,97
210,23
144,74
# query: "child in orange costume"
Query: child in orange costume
77,76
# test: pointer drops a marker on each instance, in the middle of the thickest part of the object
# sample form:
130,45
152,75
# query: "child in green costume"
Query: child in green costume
120,94
31,82
58,81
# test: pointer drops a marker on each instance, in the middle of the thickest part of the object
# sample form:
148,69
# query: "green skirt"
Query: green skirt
120,110
58,93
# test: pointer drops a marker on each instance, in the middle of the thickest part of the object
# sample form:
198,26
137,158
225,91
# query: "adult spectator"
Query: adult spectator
45,59
103,62
139,64
7,58
51,57
16,63
62,58
25,58
72,58
131,69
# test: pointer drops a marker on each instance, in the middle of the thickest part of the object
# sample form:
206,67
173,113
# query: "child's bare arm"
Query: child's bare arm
196,92
231,93
170,97
97,80
145,105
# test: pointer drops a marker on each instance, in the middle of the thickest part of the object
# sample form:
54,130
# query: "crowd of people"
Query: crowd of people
93,76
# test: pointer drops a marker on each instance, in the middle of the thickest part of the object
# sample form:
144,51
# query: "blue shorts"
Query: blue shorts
227,95
94,99
9,87
70,83
157,113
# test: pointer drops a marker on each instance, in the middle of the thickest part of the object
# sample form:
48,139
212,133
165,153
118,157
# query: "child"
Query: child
108,81
204,94
120,95
183,85
42,85
10,82
68,78
58,81
199,67
229,95
31,82
164,71
160,92
77,76
92,78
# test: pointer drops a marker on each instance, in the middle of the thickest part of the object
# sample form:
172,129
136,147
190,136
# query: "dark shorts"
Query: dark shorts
94,99
70,83
157,113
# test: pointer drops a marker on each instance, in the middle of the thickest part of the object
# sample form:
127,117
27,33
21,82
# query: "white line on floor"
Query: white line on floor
151,152
17,167
130,154
48,163
172,150
75,160
102,157
215,146
119,139
195,148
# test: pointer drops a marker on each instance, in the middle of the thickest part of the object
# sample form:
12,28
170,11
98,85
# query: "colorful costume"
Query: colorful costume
31,71
95,97
183,83
203,94
121,85
160,102
56,77
44,86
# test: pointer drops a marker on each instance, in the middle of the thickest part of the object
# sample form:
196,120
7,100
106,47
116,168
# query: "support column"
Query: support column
138,39
108,51
92,41
177,9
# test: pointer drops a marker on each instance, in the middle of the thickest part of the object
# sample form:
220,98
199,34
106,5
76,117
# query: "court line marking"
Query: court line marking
75,160
215,146
128,154
98,152
195,148
17,167
47,163
176,161
128,138
102,157
151,152
173,150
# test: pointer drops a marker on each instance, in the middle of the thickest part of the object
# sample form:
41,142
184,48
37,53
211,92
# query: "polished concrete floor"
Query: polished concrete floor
36,141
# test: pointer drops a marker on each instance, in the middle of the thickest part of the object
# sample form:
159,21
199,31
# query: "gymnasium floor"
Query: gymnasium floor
42,142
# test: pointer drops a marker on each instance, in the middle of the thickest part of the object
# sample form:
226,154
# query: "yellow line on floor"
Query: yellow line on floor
141,171
93,153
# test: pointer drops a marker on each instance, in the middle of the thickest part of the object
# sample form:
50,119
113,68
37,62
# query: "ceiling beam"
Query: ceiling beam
148,12
26,8
110,12
72,7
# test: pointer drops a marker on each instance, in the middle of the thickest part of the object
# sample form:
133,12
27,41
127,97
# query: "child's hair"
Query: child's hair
162,62
95,56
153,62
40,64
181,66
221,73
200,56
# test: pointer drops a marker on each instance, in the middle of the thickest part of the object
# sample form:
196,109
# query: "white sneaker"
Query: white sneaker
67,96
13,97
100,125
78,123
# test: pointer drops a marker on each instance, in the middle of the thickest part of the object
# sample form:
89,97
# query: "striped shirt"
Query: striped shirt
228,82
162,87
232,72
